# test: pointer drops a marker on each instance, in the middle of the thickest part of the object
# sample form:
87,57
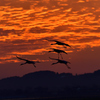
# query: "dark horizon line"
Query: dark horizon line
51,71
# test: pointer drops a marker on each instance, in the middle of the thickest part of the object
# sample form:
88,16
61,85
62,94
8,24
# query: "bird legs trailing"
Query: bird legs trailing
67,66
60,55
34,65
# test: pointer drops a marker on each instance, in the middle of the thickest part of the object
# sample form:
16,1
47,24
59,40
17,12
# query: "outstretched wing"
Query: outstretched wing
54,63
64,52
58,42
22,59
67,44
61,43
59,50
53,58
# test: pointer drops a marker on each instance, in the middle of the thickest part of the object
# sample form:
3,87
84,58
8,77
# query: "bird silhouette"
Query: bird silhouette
60,43
28,61
61,61
58,51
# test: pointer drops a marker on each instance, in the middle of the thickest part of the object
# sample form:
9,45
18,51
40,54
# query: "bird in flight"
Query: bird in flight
60,43
61,61
58,51
28,61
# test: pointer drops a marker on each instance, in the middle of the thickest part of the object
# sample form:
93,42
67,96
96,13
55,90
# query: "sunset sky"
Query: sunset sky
26,25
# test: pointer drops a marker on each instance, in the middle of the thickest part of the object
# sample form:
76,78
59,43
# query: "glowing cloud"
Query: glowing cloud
24,22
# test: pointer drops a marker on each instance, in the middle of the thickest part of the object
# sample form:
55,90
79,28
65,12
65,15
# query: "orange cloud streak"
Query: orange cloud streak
76,23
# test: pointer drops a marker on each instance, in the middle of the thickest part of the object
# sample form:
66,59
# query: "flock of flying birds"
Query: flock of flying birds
53,50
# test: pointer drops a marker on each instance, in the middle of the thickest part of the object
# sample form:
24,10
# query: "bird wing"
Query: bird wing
53,58
64,52
22,59
56,49
67,44
61,43
59,50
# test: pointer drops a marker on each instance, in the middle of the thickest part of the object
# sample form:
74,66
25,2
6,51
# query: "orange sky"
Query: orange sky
26,24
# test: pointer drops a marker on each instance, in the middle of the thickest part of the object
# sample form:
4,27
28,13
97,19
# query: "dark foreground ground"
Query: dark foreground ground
74,98
48,85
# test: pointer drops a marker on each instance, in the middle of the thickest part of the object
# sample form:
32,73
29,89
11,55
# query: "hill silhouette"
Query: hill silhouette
49,83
